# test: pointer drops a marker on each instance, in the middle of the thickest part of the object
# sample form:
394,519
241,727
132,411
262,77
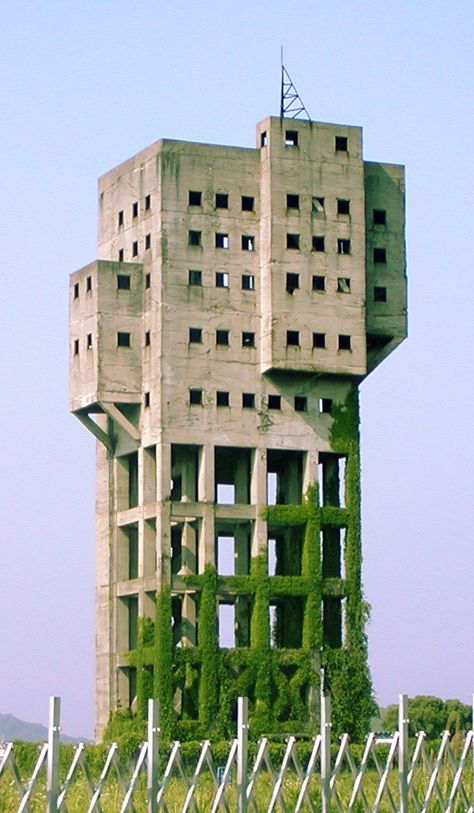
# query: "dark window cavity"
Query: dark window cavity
247,203
325,405
292,201
291,138
292,338
222,200
194,277
292,282
317,205
248,400
380,294
76,347
88,284
343,206
343,246
76,290
147,241
147,338
248,282
147,203
301,403
274,402
343,285
319,340
222,337
120,218
89,341
379,217
135,209
380,255
194,238
248,339
222,240
248,242
194,198
123,282
319,282
341,144
123,339
147,280
344,342
292,241
263,138
318,242
135,248
222,398
120,255
195,397
195,335
222,279
147,400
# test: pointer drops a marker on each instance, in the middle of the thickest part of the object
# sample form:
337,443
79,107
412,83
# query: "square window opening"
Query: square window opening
247,203
319,282
341,144
194,198
248,242
317,205
301,403
195,397
123,282
248,282
123,339
222,279
318,242
291,138
222,337
222,200
292,201
343,285
194,277
292,338
319,340
344,342
248,339
222,240
380,255
274,401
293,241
380,294
379,217
343,206
194,238
195,335
343,246
325,405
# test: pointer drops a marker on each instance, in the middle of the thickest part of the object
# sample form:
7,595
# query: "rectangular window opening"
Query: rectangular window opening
287,468
332,622
318,242
120,218
332,479
343,246
380,255
291,138
222,240
195,397
184,472
225,555
317,205
247,203
341,144
195,335
222,337
120,255
263,138
76,347
147,280
380,294
292,282
146,400
343,206
292,338
194,238
301,403
344,342
135,248
147,203
135,209
325,405
319,282
147,241
232,469
76,290
271,549
123,339
274,401
248,339
343,285
248,242
89,341
248,282
319,340
222,398
147,338
379,217
292,201
248,400
88,284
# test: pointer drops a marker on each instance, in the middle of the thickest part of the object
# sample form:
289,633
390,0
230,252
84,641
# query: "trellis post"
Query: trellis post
242,752
325,753
403,751
52,767
152,754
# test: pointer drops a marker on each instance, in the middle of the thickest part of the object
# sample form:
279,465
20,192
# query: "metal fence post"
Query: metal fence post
242,752
152,754
472,743
325,753
52,770
403,751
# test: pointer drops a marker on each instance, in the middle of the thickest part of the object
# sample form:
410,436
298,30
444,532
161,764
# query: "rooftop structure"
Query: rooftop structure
217,347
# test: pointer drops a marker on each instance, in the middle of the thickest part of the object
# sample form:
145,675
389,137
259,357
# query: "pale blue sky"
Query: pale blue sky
87,84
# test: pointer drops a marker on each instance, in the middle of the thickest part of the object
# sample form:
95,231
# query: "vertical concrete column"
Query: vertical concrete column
290,483
188,620
241,481
310,469
149,548
188,474
188,548
106,549
258,497
206,490
163,528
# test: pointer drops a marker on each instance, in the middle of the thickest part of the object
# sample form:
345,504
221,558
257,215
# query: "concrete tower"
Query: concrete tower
217,346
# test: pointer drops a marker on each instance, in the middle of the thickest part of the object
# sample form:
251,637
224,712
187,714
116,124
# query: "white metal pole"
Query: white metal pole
325,753
52,771
242,752
403,751
472,742
152,754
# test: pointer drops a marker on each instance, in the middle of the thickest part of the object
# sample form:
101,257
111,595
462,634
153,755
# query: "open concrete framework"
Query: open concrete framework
216,352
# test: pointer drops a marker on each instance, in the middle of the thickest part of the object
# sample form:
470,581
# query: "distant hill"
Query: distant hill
11,728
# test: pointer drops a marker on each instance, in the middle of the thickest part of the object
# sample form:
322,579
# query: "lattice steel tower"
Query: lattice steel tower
217,347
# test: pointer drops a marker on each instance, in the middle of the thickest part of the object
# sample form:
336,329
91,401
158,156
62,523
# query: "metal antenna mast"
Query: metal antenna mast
291,104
